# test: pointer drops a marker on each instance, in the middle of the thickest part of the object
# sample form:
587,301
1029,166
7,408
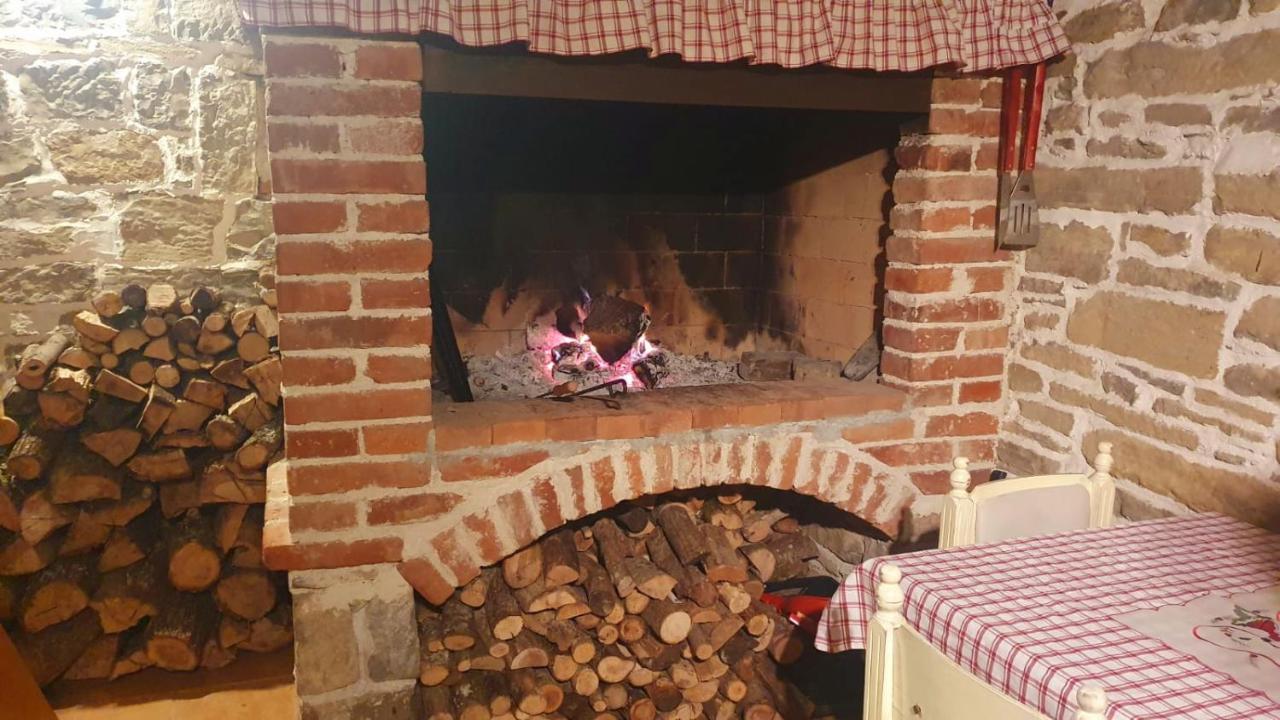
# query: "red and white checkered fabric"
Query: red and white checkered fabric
1035,618
882,35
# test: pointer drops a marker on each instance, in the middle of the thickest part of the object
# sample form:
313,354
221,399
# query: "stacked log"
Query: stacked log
134,448
647,612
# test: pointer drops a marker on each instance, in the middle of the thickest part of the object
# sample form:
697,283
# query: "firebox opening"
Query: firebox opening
734,229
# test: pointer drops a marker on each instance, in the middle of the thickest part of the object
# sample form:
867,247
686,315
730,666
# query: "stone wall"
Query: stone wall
1149,315
131,146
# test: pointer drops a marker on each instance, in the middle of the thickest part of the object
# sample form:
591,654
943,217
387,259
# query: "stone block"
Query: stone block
1202,487
1156,69
1162,242
1177,13
1122,417
807,368
1168,335
1251,254
17,160
58,207
1248,194
1077,251
61,282
1059,357
1178,114
1024,379
106,158
27,243
228,131
1261,322
1120,386
1258,7
392,631
400,703
73,89
1137,503
1141,273
205,21
1064,118
1105,21
251,226
1124,147
1252,118
169,229
1021,461
162,96
1171,190
758,366
1254,381
326,652
1048,416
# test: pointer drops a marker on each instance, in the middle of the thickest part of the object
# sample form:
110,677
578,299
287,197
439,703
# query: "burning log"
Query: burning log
614,325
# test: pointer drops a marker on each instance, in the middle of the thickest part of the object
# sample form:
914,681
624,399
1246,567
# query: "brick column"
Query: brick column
946,308
349,182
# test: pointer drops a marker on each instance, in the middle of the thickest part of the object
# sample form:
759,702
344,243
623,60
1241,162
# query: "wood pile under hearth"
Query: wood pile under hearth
649,612
132,485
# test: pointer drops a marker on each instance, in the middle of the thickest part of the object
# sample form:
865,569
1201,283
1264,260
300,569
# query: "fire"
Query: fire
562,357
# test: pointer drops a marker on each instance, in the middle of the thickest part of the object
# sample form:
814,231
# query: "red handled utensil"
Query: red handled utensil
1019,220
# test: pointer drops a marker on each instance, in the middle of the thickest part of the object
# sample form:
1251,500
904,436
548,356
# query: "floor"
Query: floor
255,687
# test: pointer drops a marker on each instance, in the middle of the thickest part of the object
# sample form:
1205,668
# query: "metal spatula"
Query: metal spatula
1020,225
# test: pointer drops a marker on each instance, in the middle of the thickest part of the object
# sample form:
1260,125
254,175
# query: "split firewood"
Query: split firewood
160,466
271,631
225,481
559,558
614,550
127,596
456,618
133,655
261,445
115,445
78,358
19,557
89,325
109,383
129,339
39,516
9,429
49,653
668,621
130,543
155,413
231,372
529,650
85,534
97,661
251,412
437,703
176,635
225,433
266,377
523,568
33,453
57,593
194,558
686,540
246,593
723,563
78,475
38,358
160,298
473,593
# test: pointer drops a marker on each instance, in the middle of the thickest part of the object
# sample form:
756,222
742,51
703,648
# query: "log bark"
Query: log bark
723,563
48,654
127,596
19,557
115,445
131,543
97,661
33,453
78,475
266,377
686,540
57,593
523,568
668,621
261,445
503,613
160,466
36,359
248,594
40,516
559,558
194,558
175,637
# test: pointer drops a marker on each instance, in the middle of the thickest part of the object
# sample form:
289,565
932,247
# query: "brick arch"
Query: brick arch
543,492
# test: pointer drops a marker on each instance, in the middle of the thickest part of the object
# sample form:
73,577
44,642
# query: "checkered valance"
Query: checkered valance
884,35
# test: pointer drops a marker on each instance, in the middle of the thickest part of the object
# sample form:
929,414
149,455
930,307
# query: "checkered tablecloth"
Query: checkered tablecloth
882,35
1035,617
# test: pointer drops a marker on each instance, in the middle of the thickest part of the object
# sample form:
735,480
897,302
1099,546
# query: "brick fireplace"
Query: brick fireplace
381,485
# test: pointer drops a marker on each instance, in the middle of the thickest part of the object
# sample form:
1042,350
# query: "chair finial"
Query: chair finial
1092,702
1103,461
960,477
888,591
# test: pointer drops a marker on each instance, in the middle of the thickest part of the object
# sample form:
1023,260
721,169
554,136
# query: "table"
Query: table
1037,617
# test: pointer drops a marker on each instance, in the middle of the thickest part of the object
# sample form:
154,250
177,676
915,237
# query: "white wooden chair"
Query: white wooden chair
907,678
1022,507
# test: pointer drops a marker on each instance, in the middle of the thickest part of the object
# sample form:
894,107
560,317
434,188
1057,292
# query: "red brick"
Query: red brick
387,137
942,158
507,432
708,417
942,251
603,477
993,93
458,561
320,138
977,450
790,461
976,123
353,332
361,405
932,482
622,426
322,516
515,510
766,413
942,219
399,439
343,477
343,100
637,483
904,454
920,339
571,429
397,368
297,218
977,423
295,295
900,429
340,177
379,294
984,218
841,405
321,443
980,392
763,459
917,369
312,556
425,577
968,309
943,188
301,60
457,437
986,339
956,91
364,256
987,279
664,470
669,421
988,157
410,508
315,371
577,492
547,503
458,467
484,538
389,62
396,217
918,280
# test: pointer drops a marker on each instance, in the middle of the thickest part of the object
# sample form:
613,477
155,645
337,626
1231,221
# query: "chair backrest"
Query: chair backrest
1021,507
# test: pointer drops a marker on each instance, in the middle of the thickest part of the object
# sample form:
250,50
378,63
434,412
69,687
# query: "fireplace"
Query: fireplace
875,221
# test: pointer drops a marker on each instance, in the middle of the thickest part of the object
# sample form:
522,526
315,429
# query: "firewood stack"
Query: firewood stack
649,612
132,485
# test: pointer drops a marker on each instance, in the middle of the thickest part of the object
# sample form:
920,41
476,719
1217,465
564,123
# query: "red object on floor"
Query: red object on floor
803,611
